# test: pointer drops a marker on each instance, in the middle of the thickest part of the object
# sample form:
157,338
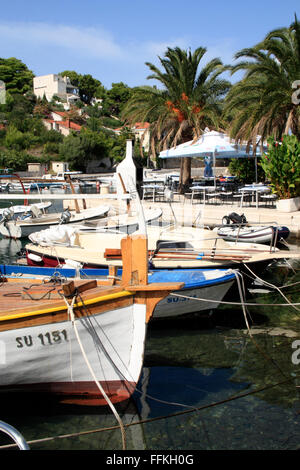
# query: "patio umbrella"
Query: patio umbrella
212,143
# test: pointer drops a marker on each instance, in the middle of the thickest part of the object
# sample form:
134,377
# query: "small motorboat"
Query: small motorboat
236,228
22,208
34,220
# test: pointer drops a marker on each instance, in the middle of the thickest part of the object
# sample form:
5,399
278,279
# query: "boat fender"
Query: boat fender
34,257
200,255
69,263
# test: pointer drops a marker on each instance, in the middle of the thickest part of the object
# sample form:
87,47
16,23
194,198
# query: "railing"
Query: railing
15,435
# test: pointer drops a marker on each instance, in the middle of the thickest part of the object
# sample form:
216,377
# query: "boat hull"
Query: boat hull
21,229
48,358
192,300
43,259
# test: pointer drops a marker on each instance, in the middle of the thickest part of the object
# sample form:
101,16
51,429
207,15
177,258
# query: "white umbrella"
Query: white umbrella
211,142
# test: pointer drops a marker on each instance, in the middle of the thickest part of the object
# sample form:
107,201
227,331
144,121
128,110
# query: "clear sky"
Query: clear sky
112,40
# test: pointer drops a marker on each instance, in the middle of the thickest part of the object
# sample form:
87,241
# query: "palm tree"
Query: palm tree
189,101
261,103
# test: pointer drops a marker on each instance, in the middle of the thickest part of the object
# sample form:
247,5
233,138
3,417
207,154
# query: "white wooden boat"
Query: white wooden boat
35,220
182,247
80,339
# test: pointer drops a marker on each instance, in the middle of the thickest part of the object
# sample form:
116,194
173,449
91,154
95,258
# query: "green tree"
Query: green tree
244,169
15,139
189,102
16,76
18,110
116,98
88,145
261,103
42,109
89,87
15,159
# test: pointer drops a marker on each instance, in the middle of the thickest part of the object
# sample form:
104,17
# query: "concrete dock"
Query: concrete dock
210,214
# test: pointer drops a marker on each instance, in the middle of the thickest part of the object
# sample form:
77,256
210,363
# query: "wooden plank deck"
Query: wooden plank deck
25,295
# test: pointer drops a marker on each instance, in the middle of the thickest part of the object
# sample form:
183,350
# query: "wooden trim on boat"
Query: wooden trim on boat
42,303
39,312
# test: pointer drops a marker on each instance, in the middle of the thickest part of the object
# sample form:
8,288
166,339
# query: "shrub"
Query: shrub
281,164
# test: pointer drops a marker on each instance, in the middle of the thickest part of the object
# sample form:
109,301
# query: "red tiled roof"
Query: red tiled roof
67,124
70,124
141,125
60,113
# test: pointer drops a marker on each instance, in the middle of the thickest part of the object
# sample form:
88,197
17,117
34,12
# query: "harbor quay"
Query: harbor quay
209,215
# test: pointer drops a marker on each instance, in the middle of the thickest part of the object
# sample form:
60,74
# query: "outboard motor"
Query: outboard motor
234,218
65,217
7,214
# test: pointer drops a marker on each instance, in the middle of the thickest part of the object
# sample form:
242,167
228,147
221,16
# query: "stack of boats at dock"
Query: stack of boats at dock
97,287
34,218
73,320
206,263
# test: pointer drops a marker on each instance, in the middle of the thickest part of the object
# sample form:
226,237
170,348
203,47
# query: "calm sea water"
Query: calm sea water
206,383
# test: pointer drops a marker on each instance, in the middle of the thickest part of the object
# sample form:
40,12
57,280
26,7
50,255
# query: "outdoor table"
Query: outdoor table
254,189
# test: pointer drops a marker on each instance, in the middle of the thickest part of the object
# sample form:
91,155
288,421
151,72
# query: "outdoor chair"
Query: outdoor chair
268,200
147,193
213,198
237,198
159,194
196,196
226,196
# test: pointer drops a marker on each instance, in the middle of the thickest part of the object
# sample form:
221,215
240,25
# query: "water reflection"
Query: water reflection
219,366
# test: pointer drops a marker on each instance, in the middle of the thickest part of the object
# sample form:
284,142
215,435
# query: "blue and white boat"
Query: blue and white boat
203,289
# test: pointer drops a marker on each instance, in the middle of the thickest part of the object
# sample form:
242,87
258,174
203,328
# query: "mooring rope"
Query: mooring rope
72,316
266,356
272,286
157,418
224,302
